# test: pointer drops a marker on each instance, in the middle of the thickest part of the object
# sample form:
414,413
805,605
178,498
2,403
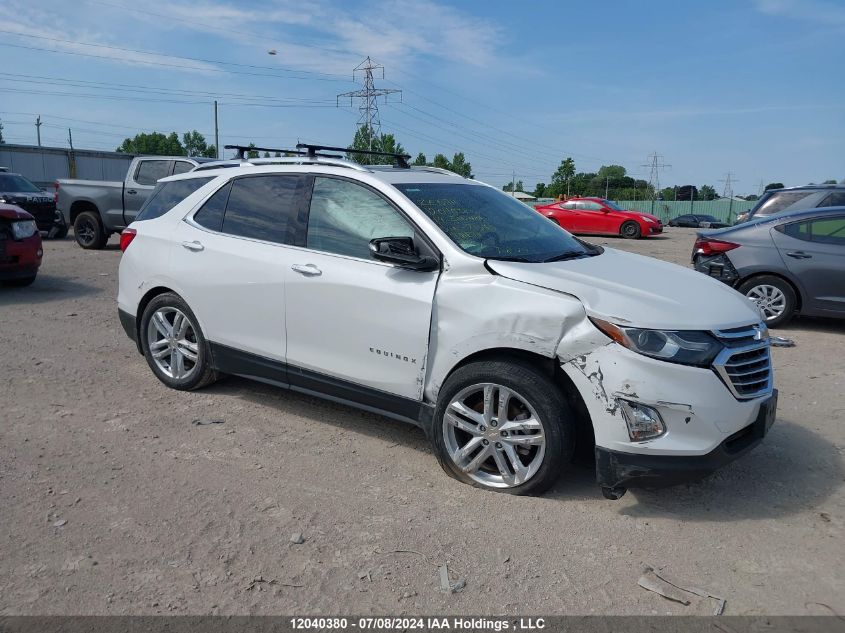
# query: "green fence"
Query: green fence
724,210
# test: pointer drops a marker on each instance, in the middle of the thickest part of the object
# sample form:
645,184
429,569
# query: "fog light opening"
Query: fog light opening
644,422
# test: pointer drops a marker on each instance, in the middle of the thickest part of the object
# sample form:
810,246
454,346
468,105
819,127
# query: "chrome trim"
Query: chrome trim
759,335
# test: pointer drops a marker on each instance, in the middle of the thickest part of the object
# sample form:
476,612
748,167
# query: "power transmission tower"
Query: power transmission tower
655,164
368,107
729,180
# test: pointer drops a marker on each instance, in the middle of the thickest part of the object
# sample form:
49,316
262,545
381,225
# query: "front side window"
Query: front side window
260,207
568,206
610,204
150,171
344,217
486,223
167,195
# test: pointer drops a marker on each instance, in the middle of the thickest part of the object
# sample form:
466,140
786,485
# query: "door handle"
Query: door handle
309,270
132,191
193,246
799,255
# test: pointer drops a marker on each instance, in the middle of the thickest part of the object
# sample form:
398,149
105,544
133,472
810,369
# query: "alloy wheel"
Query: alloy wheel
770,300
172,341
494,435
86,231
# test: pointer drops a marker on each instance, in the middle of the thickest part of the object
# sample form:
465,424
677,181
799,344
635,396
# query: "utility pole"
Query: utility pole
368,108
216,132
606,185
71,156
38,129
655,164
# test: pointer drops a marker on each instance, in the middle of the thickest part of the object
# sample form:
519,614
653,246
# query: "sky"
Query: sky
750,87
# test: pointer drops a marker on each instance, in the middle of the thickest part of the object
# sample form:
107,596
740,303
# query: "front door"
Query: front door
814,251
350,318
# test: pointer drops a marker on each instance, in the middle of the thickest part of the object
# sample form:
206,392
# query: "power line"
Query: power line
729,180
368,108
655,165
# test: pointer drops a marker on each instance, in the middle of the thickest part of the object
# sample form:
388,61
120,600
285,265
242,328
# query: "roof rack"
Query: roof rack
311,150
300,159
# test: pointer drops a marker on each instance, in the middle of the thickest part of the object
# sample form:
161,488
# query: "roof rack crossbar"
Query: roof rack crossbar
242,149
401,159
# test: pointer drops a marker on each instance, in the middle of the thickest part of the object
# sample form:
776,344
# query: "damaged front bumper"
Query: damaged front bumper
616,470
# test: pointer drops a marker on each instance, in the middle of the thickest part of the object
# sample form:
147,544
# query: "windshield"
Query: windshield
777,201
487,223
612,205
13,182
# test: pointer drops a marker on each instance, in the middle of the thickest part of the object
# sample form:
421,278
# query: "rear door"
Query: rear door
814,251
231,254
140,184
354,324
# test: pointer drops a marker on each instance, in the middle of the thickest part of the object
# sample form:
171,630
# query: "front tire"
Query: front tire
774,296
174,345
89,231
630,230
503,426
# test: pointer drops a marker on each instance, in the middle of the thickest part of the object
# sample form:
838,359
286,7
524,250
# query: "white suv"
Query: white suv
440,301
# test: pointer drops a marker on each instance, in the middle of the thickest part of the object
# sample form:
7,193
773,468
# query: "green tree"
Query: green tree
707,192
829,182
420,161
508,186
560,184
460,165
774,185
195,145
752,197
667,193
441,162
154,143
540,190
365,139
277,155
251,153
266,155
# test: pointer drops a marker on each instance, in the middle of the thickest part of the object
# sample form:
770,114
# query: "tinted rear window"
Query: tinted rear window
167,195
211,214
260,207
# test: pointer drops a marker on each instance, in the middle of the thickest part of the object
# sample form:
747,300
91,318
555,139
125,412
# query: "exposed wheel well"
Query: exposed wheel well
798,297
81,206
585,437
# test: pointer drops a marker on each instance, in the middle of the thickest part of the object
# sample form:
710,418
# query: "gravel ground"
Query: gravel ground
114,502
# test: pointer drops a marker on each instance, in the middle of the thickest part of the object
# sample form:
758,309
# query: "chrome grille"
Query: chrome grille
745,365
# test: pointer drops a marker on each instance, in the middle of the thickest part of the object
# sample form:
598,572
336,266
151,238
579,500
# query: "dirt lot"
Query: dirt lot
113,501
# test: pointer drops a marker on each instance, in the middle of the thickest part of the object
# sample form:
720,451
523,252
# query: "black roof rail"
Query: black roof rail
401,159
242,149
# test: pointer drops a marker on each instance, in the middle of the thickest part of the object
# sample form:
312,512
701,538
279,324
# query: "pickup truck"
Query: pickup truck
98,208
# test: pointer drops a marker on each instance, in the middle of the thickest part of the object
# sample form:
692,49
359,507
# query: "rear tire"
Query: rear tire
630,230
174,345
775,297
537,427
89,231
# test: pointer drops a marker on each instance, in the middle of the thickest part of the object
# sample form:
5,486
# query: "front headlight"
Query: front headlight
687,347
647,219
23,229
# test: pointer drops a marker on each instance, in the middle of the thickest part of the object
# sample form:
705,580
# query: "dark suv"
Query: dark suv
17,190
795,199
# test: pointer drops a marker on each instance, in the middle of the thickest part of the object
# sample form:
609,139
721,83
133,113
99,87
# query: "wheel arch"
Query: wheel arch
584,434
80,206
151,294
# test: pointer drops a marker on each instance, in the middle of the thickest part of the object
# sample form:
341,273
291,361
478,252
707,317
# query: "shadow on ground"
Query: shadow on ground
46,288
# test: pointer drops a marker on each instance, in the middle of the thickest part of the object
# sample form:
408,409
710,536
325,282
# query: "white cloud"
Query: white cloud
818,11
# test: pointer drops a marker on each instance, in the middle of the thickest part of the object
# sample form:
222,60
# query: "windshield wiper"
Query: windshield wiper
507,258
566,255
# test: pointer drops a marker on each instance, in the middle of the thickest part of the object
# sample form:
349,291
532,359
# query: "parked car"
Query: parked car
698,221
441,301
20,246
597,216
787,264
20,191
777,201
98,208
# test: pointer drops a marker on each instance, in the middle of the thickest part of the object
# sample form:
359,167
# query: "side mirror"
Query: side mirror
401,251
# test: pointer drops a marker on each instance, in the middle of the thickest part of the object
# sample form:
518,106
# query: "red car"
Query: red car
20,246
600,216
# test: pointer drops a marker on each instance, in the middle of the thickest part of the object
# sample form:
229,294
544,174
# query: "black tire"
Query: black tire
202,373
540,391
630,230
21,282
790,298
89,231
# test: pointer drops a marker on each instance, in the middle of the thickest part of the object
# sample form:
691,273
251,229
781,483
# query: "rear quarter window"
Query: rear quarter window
781,200
167,195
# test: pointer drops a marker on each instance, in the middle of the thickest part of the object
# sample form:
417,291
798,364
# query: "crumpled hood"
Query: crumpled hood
639,291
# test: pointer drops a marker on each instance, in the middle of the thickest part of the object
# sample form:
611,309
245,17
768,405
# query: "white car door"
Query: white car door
350,318
230,254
